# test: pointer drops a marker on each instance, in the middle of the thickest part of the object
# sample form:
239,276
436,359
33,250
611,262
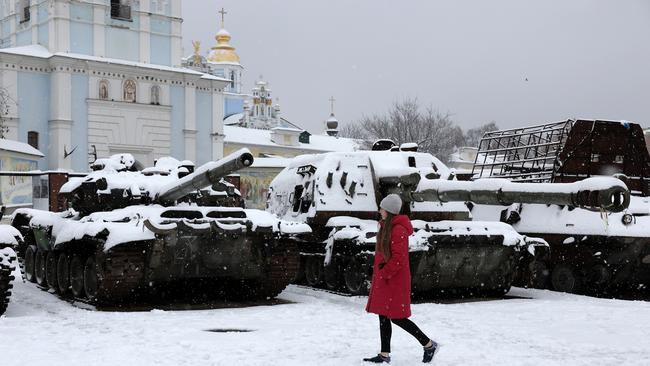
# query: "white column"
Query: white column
176,42
190,123
33,16
60,124
99,32
145,32
217,123
12,25
60,31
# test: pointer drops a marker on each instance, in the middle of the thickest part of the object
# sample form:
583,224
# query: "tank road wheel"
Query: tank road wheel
30,265
314,270
77,276
565,278
63,273
50,270
539,275
332,275
355,277
39,267
91,279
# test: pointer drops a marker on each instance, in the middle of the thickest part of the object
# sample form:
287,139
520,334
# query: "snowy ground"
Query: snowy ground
319,328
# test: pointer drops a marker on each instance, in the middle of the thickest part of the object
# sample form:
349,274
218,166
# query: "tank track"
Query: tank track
281,268
7,259
114,287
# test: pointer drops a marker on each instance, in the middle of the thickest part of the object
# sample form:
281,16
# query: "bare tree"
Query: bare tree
473,135
405,121
5,102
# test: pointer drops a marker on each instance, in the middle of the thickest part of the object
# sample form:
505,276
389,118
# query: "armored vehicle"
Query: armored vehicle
337,194
10,238
128,231
591,251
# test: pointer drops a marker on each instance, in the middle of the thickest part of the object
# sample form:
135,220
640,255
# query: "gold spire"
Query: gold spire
197,48
223,51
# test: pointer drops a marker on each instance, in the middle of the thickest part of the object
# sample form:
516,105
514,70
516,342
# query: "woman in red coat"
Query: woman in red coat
390,292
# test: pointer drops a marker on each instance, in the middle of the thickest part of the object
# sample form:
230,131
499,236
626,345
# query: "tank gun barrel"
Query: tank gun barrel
604,193
206,175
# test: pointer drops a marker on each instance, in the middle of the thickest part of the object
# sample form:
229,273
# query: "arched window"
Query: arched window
155,95
129,91
103,90
232,79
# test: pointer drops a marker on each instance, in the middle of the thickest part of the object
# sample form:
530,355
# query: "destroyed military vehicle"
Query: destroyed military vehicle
337,194
10,239
127,232
591,251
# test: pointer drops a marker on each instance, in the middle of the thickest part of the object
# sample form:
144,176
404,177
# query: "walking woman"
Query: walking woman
390,292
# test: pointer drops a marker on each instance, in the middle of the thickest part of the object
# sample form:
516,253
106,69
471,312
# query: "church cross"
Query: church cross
332,100
223,12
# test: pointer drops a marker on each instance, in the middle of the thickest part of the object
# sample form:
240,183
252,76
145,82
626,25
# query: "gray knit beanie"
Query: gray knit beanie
392,203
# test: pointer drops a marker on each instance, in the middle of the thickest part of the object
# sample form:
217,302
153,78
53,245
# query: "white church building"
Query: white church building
92,78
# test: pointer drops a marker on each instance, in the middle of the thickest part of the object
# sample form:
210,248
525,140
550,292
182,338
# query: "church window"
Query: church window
121,9
103,90
32,139
129,91
25,14
232,79
155,95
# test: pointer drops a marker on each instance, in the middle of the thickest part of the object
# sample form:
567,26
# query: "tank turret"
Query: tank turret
165,183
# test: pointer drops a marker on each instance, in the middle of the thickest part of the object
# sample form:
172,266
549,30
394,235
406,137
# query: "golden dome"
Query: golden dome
223,51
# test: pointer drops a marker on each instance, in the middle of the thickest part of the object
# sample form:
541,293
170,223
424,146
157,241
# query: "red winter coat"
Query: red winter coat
390,292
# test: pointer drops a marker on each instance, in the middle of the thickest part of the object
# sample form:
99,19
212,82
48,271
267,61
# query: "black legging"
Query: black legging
386,331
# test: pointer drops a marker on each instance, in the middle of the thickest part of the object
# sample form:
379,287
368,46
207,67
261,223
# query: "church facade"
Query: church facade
92,78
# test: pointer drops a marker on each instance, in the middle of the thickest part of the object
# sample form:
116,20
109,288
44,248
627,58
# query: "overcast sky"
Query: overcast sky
581,58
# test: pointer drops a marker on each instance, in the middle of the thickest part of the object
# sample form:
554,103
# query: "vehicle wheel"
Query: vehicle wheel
300,273
332,275
39,267
565,278
600,276
314,270
50,270
77,276
91,280
356,280
63,273
30,265
539,275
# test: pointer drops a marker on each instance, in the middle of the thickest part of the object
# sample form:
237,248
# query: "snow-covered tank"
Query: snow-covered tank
127,231
591,251
10,239
337,194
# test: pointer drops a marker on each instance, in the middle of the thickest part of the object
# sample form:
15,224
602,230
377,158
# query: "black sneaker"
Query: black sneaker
430,352
378,359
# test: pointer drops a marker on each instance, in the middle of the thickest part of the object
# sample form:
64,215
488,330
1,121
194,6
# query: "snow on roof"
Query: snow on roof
252,136
233,119
20,147
42,52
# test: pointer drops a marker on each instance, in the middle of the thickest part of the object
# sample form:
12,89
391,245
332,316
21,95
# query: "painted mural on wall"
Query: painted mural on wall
13,189
254,187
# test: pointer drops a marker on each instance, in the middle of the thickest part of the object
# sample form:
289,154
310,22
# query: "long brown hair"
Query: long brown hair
383,237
